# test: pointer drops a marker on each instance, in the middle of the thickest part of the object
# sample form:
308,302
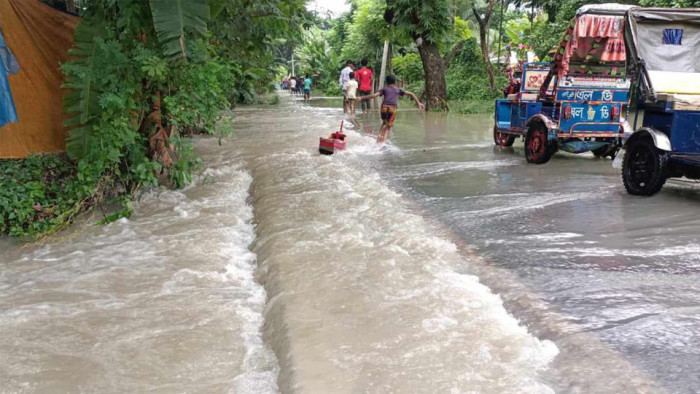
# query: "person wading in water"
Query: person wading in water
390,103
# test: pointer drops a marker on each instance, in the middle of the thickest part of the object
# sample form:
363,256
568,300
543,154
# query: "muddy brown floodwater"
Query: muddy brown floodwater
435,263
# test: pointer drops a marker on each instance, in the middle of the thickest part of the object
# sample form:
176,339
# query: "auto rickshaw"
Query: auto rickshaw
578,102
663,47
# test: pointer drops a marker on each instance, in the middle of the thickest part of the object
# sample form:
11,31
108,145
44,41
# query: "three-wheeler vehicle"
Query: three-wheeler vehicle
663,47
578,102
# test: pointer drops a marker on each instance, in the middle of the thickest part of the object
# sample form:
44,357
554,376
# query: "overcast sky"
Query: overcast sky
337,7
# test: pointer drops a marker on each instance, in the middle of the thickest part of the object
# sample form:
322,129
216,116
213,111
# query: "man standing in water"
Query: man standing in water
343,82
307,87
364,78
391,96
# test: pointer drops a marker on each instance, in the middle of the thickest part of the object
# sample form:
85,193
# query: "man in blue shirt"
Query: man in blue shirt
307,87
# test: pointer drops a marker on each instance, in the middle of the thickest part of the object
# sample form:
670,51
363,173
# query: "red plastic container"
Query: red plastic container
336,141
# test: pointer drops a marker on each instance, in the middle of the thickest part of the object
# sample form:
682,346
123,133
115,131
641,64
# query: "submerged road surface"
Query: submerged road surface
434,264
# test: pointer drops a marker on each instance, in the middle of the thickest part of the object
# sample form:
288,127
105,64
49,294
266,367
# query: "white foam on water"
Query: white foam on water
671,251
165,301
433,169
365,294
533,201
553,236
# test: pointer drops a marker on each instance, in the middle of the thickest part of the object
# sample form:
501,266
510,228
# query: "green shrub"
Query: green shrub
333,90
467,78
408,67
36,193
468,107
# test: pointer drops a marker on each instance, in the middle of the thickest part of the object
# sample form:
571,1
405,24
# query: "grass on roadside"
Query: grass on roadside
469,107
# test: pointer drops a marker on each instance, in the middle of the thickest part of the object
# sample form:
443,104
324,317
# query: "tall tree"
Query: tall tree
483,19
427,23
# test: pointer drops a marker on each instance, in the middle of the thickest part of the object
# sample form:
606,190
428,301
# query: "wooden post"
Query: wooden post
382,74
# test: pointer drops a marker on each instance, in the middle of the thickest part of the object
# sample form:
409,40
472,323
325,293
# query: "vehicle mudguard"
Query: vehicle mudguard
549,123
660,139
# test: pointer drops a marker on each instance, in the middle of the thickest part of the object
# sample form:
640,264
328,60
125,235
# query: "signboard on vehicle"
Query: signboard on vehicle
571,81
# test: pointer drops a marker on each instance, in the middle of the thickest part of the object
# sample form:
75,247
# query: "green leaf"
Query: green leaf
216,6
173,18
82,102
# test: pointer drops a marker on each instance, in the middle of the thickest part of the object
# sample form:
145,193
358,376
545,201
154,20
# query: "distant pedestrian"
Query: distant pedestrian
343,82
352,93
364,78
391,96
307,87
292,85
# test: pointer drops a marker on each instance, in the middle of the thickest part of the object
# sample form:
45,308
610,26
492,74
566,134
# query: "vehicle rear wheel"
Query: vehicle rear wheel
538,149
644,168
502,139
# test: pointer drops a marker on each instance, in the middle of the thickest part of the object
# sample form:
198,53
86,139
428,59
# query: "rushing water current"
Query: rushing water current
434,264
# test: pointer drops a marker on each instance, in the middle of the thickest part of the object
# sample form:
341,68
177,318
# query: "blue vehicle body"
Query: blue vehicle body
578,102
580,113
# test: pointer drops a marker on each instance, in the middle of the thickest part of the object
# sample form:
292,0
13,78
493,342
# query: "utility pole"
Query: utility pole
293,73
382,73
500,32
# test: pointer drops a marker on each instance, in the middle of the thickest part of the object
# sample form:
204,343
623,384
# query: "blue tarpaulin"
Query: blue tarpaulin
8,65
673,36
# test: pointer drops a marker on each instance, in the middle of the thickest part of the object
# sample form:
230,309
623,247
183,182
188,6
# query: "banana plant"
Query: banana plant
82,99
173,18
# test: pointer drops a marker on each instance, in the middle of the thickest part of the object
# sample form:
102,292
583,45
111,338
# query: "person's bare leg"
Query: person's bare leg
383,133
379,134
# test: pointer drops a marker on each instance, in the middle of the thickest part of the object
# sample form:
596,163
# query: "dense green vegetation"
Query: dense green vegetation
147,74
38,194
444,50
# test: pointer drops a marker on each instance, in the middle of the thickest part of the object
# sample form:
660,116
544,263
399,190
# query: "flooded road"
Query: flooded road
164,302
610,278
437,263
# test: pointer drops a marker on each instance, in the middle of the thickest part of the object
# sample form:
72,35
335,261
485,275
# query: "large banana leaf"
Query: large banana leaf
173,18
81,103
216,6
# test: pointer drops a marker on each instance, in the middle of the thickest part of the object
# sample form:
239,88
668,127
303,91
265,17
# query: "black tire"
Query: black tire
502,139
644,168
538,149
